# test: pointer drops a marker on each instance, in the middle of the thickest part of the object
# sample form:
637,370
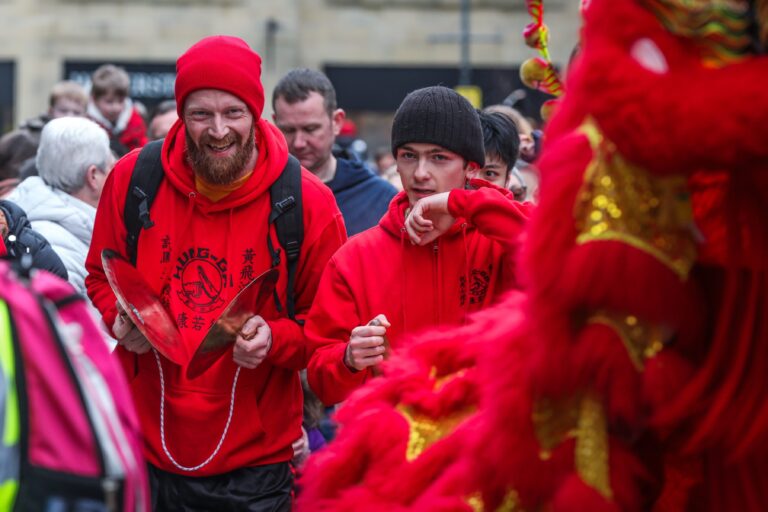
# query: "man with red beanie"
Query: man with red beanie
221,440
442,251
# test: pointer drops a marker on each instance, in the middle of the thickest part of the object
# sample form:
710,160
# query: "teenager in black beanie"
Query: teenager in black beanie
442,251
439,115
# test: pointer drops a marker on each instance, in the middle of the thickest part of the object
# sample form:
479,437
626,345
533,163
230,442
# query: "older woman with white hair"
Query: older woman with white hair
73,160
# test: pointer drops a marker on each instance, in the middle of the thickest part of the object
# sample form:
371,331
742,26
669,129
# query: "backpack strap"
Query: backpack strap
287,216
286,212
145,180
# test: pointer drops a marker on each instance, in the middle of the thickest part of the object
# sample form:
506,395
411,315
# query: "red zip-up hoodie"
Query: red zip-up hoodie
416,287
196,258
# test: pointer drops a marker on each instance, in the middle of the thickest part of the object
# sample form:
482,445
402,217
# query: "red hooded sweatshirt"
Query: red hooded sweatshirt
416,287
196,258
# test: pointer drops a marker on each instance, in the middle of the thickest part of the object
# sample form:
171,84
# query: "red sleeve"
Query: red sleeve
289,345
491,211
331,320
108,233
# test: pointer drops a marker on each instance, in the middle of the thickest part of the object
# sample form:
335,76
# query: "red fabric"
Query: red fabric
724,406
416,287
221,62
135,133
3,250
435,378
657,120
666,111
133,136
688,429
348,129
226,242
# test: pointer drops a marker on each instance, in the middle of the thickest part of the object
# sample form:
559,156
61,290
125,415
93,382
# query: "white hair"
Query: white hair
68,147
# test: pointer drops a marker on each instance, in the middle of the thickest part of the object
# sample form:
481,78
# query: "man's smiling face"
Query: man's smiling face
220,135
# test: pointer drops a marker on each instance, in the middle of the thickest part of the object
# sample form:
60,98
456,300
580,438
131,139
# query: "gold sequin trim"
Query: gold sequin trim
554,422
642,340
424,431
511,503
475,501
591,452
621,202
583,418
440,382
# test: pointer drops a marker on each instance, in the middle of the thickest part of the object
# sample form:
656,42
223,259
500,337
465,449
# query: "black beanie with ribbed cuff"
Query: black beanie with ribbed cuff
439,115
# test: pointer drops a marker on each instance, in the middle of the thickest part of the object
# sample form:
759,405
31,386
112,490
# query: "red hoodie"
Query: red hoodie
135,133
196,257
416,287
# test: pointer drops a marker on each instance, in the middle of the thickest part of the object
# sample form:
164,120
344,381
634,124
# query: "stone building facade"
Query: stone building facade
374,50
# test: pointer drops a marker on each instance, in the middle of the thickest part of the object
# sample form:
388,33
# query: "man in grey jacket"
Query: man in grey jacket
73,160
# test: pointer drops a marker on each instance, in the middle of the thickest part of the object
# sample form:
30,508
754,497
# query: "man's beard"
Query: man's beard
220,170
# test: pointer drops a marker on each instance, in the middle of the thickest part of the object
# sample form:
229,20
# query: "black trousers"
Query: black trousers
257,489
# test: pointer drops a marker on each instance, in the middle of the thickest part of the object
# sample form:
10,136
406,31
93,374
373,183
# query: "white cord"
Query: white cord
162,419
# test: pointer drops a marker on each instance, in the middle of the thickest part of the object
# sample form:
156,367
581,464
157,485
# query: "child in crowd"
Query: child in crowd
111,107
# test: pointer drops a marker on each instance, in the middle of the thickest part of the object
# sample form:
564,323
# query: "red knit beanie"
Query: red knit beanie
221,62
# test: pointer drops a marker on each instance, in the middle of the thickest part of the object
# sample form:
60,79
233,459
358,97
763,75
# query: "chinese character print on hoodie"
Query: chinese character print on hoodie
416,287
197,257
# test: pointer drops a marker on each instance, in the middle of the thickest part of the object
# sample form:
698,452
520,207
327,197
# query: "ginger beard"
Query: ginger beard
219,170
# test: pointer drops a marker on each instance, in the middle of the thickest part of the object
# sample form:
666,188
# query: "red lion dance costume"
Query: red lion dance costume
633,374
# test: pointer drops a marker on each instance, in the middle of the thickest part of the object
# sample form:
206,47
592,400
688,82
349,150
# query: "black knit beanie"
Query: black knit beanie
439,115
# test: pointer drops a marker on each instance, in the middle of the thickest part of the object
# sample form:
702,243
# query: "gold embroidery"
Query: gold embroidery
475,500
621,202
591,452
641,339
583,418
445,379
554,422
511,503
424,431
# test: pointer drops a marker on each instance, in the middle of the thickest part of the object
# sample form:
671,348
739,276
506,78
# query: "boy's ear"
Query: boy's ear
470,170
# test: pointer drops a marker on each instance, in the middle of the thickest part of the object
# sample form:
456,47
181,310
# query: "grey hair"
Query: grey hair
68,147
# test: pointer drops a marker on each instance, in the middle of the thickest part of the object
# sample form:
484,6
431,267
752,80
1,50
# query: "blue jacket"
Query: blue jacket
363,197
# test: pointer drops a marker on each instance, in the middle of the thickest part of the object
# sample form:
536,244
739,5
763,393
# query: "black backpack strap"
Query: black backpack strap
287,215
145,180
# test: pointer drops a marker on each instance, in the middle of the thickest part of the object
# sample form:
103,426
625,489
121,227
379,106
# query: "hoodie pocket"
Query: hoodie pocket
198,425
